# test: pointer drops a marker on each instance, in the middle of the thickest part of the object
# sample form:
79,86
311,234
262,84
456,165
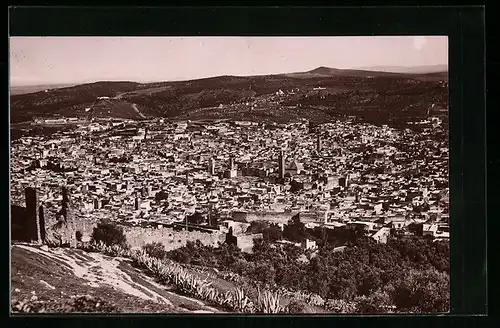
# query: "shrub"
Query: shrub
155,249
377,302
109,233
268,302
77,304
340,306
422,291
298,306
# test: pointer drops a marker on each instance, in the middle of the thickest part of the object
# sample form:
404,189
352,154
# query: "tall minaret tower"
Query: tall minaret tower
211,166
281,165
318,143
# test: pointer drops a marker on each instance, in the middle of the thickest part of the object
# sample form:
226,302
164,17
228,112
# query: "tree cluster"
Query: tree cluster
404,275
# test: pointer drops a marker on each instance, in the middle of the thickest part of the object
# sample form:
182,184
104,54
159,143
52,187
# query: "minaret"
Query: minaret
211,166
231,163
281,165
136,203
318,143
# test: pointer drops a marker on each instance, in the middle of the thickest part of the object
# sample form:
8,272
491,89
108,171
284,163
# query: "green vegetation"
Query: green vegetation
186,282
77,304
109,233
155,249
404,275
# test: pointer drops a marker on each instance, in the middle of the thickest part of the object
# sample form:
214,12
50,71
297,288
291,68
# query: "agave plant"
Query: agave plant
268,302
241,302
210,294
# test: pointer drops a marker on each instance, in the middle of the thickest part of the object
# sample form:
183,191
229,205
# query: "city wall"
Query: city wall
273,217
279,217
170,238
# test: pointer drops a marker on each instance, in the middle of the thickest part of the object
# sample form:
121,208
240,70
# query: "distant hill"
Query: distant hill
380,95
409,70
19,90
420,73
331,72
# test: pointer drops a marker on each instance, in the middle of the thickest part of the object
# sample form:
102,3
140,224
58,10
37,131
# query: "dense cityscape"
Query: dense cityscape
161,172
168,187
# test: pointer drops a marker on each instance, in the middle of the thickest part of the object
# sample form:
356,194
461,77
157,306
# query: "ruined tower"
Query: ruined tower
33,225
67,211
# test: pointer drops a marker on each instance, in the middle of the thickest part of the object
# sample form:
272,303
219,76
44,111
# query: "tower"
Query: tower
281,165
66,205
231,163
32,213
136,203
318,143
211,166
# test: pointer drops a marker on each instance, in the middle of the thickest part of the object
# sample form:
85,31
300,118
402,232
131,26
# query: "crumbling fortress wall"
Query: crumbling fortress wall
33,224
28,223
273,217
65,229
170,238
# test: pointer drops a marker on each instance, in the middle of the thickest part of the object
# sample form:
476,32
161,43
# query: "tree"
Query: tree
296,231
257,226
270,232
273,233
155,249
422,291
196,218
377,302
109,233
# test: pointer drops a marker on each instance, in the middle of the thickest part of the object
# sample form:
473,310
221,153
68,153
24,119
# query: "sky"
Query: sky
54,60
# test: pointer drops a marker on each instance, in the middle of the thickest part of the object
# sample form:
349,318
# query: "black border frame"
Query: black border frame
465,27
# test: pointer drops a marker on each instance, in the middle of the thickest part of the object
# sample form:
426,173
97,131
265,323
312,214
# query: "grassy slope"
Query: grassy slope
51,279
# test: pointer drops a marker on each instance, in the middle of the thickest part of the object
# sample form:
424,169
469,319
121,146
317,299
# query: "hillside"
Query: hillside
20,90
237,97
56,276
409,70
73,280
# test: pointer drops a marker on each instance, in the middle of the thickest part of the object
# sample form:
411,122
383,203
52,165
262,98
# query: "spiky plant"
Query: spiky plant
241,302
268,302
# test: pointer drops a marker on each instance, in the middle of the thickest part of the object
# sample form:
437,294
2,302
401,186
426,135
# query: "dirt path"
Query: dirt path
134,106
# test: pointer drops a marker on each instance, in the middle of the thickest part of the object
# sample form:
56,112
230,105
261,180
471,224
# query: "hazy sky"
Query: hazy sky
45,60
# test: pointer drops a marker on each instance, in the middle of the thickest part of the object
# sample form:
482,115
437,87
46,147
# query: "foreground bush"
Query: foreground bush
268,302
155,249
298,306
340,306
77,304
110,234
169,272
422,291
